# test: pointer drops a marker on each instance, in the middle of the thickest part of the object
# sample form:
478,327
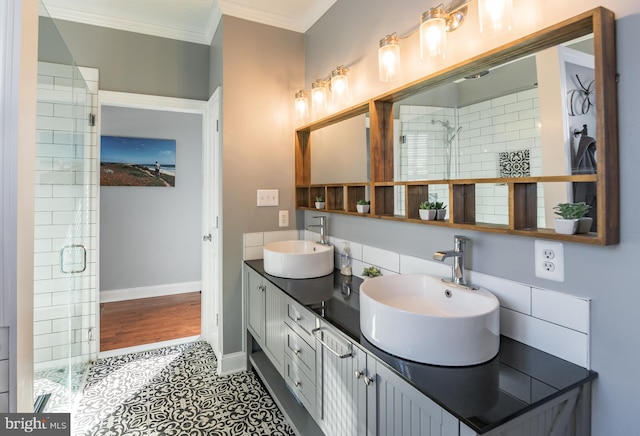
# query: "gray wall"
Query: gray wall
132,62
262,70
603,274
151,235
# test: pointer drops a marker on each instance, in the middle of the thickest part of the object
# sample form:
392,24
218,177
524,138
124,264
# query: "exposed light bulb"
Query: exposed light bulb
433,34
302,105
495,16
389,58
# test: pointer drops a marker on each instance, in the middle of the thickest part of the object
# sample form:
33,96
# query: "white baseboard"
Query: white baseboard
149,291
232,363
148,347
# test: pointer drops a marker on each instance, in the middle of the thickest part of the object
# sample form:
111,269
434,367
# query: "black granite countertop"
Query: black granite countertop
520,378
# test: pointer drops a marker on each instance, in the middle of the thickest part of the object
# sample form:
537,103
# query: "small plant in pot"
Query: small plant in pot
572,218
371,272
362,206
319,202
427,210
440,208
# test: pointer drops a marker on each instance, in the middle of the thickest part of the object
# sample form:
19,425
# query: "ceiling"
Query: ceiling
187,20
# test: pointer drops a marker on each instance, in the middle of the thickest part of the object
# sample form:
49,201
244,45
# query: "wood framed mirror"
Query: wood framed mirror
498,138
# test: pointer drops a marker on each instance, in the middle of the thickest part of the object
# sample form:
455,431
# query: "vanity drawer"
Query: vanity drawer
300,384
301,320
301,354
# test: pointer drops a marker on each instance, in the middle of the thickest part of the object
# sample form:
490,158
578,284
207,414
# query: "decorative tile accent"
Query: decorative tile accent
174,391
514,163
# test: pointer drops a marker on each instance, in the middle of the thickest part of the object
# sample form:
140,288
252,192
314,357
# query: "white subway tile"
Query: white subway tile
254,239
253,253
560,341
283,235
512,295
41,355
381,258
416,265
560,308
41,327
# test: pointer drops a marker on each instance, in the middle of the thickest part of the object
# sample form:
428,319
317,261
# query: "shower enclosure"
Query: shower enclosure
65,225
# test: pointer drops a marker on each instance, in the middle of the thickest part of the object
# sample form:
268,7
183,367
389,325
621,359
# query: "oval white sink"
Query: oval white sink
298,259
421,318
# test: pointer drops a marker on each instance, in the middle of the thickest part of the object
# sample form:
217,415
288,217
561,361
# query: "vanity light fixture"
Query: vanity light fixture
495,18
319,96
302,105
389,58
339,84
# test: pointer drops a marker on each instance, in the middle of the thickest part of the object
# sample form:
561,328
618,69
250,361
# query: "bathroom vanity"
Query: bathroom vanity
304,341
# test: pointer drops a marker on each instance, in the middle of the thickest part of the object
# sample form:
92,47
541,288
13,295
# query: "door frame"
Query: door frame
158,103
212,225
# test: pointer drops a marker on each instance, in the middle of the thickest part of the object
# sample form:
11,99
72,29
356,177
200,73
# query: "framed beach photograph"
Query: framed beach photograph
128,161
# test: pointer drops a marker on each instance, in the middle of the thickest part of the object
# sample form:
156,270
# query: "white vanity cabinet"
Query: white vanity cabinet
343,395
402,410
265,317
255,292
357,395
300,354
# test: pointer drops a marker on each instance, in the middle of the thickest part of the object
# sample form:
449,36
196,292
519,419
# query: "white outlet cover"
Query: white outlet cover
557,274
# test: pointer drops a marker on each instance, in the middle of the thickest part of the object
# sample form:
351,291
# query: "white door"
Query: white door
211,228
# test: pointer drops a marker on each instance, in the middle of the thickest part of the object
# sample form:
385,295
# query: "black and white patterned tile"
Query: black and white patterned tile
174,391
514,163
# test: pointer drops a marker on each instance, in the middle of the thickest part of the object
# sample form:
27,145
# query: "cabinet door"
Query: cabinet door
403,410
255,305
341,401
275,305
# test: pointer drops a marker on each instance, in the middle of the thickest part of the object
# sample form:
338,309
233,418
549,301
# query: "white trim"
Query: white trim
148,347
149,291
212,314
232,363
63,13
152,102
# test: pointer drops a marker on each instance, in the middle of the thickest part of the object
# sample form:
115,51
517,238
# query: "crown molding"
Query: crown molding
215,15
259,16
62,13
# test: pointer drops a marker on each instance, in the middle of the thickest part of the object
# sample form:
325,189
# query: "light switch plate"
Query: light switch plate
267,197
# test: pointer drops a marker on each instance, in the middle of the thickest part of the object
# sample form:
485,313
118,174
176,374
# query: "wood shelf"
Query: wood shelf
399,201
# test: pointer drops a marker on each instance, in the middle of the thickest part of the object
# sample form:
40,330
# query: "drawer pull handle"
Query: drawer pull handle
334,352
297,384
358,373
297,318
367,381
296,352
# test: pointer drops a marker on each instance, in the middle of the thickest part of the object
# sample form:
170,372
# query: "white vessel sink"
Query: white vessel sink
421,318
298,259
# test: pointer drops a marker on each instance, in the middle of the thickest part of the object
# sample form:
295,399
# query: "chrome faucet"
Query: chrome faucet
324,237
457,253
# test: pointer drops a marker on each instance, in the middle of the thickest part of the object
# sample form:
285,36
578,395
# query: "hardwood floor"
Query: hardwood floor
148,320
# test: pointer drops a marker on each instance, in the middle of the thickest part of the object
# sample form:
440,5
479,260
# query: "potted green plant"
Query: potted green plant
371,272
319,202
440,208
362,206
570,216
427,210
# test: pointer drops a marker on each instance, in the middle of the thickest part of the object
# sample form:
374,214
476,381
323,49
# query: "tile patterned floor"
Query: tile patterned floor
173,391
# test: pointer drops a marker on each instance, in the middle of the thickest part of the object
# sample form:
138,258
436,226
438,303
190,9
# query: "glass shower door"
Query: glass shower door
64,300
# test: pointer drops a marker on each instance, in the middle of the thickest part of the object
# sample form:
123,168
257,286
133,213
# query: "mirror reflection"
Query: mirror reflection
340,152
531,117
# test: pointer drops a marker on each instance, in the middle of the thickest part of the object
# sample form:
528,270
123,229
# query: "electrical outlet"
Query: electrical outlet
549,260
283,218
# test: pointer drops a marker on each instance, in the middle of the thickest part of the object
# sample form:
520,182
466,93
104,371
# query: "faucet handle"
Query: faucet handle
459,242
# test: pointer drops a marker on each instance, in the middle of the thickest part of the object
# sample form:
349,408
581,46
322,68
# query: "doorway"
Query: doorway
151,237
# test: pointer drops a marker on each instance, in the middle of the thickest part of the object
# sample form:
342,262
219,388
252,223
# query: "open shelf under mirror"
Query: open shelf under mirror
503,178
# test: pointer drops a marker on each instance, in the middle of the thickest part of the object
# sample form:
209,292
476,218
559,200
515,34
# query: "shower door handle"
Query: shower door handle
73,248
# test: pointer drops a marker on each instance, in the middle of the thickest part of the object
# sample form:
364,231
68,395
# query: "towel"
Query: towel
584,162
